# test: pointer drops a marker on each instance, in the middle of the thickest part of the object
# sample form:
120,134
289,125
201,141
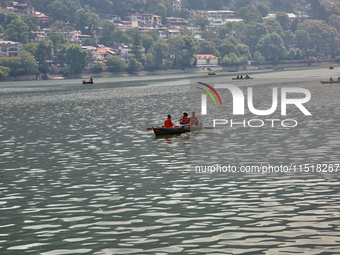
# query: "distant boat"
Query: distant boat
329,81
233,70
331,67
88,82
244,78
211,73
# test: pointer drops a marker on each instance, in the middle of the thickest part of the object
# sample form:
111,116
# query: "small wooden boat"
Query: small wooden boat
211,73
88,82
233,70
175,130
242,78
329,81
331,67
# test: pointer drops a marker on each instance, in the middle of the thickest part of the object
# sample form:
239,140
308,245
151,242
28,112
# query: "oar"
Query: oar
203,127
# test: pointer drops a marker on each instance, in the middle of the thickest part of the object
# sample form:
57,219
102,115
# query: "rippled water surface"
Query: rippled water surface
80,174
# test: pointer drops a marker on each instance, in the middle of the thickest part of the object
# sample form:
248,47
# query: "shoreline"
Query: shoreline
279,66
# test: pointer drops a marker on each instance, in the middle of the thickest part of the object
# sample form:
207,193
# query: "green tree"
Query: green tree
2,18
201,21
98,67
136,43
161,10
281,5
30,47
87,21
28,63
89,42
64,10
298,54
288,38
302,39
120,36
4,71
273,26
182,48
76,58
249,13
44,51
107,32
258,59
231,60
227,47
147,42
10,16
334,21
33,23
223,31
262,9
133,65
56,39
17,31
319,32
271,47
283,19
238,4
206,47
254,32
160,50
292,54
115,64
243,49
154,34
208,34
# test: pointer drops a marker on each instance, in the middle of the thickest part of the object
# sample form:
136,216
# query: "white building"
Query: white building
206,60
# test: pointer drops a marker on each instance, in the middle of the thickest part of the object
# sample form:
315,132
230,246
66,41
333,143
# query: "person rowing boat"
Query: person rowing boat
168,122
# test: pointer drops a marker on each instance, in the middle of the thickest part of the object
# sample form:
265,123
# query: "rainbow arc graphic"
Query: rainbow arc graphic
209,93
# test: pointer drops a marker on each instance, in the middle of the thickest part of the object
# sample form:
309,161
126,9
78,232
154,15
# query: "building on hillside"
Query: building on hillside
122,50
9,48
124,25
206,60
45,21
174,32
174,21
79,38
21,10
192,13
291,16
216,18
222,14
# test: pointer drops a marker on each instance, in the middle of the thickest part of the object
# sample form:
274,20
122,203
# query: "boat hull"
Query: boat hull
327,82
175,130
87,82
241,78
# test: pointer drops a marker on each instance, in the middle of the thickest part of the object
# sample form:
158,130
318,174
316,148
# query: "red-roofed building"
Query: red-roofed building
206,60
45,21
9,48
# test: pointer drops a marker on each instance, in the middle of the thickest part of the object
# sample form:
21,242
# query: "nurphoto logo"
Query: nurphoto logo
239,105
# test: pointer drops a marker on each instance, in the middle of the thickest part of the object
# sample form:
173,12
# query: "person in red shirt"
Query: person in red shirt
168,122
184,120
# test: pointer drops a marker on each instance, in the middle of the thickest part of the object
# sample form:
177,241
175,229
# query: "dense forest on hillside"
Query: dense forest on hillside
309,37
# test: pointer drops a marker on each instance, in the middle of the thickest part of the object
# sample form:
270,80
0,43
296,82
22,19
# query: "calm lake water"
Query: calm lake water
80,174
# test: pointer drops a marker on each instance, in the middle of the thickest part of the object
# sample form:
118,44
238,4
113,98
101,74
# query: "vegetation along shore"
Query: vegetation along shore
72,38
